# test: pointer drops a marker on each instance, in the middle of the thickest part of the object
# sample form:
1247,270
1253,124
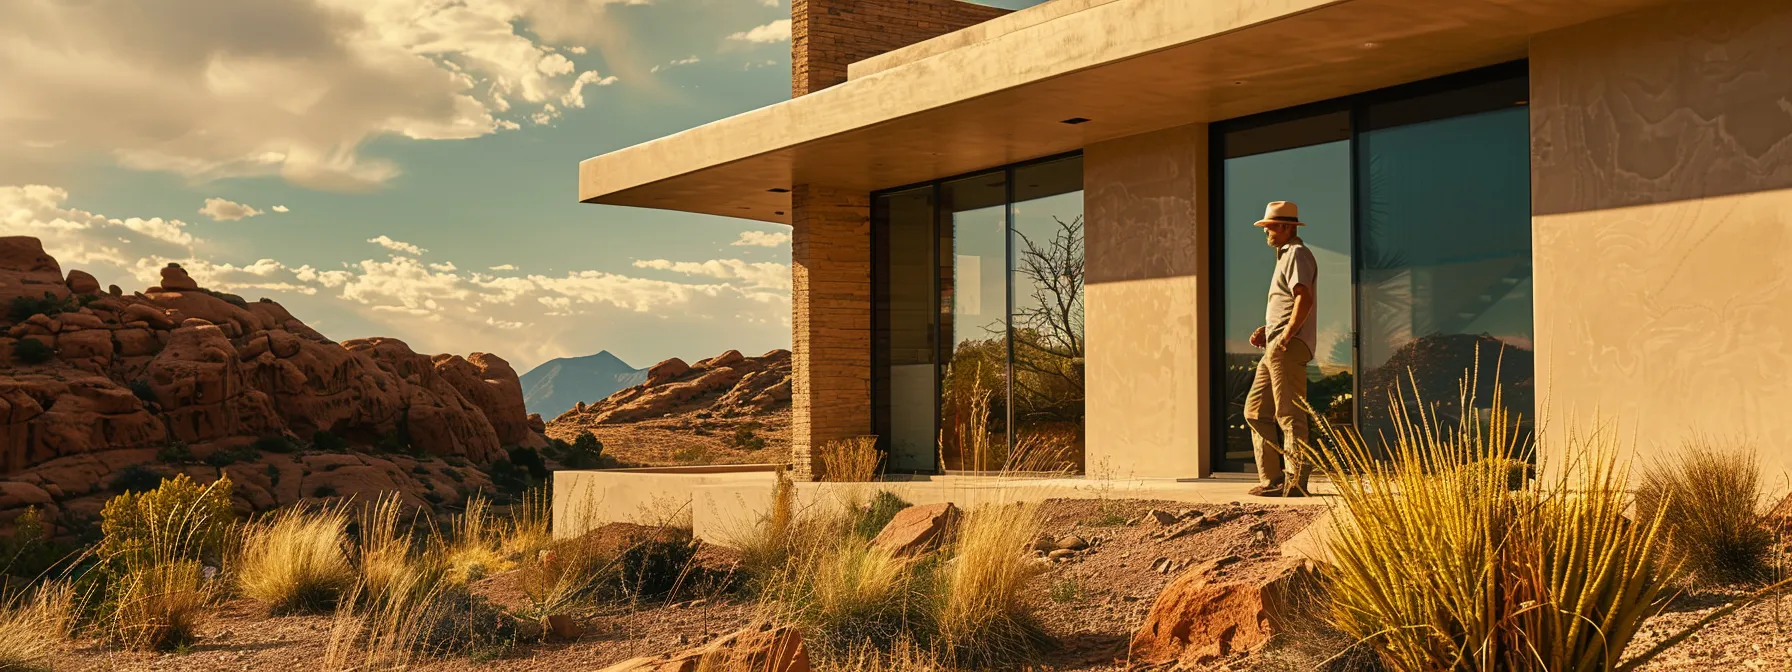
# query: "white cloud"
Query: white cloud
776,31
688,60
85,237
761,239
281,208
396,245
764,274
502,267
575,97
226,211
445,267
295,88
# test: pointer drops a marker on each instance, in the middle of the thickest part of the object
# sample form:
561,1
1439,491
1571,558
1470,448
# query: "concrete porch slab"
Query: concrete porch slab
724,505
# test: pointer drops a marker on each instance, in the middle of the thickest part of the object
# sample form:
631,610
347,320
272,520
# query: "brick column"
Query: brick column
828,35
830,300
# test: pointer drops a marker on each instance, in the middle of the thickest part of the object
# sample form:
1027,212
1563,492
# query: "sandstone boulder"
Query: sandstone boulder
760,648
666,372
1219,608
82,282
27,271
175,279
917,529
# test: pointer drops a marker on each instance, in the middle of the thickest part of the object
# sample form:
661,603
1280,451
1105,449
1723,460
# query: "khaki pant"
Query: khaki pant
1272,409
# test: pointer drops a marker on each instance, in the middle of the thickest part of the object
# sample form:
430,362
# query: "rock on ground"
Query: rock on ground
1211,612
917,529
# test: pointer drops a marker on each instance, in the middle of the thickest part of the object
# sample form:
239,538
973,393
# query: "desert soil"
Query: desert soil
1090,605
687,439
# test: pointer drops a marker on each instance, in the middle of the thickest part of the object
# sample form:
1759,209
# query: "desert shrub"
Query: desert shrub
330,443
23,307
1708,501
276,443
141,389
530,461
294,562
175,451
136,478
29,552
870,519
859,593
853,460
691,454
585,452
386,559
32,351
983,620
229,456
746,437
1441,564
415,620
1067,590
179,519
766,547
652,566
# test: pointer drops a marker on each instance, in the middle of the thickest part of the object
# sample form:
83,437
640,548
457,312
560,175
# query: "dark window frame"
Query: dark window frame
1357,106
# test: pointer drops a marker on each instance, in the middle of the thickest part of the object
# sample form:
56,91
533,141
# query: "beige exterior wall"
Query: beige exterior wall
1662,194
1145,205
830,339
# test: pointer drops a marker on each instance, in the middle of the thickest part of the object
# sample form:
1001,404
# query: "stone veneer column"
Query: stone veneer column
1147,325
1661,172
830,300
828,35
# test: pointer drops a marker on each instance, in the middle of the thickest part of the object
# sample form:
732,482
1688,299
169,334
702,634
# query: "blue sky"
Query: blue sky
401,168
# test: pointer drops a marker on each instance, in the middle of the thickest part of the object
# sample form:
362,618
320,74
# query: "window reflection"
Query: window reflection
1046,240
974,308
903,338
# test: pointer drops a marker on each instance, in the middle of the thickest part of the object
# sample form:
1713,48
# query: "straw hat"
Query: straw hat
1281,211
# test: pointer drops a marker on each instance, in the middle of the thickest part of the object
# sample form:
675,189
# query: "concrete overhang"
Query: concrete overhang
999,93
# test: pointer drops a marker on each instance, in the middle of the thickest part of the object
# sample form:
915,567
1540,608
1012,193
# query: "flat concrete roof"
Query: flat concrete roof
997,94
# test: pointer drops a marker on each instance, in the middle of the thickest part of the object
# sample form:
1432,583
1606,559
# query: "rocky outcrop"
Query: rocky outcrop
917,529
729,384
111,378
1219,608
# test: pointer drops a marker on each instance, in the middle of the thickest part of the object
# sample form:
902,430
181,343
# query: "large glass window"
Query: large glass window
1417,205
978,321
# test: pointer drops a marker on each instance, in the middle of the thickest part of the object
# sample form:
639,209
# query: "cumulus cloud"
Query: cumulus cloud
575,97
758,275
502,267
227,211
85,237
761,239
281,208
396,245
294,88
776,31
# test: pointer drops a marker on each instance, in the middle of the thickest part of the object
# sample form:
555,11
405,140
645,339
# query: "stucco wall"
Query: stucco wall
1145,201
1662,201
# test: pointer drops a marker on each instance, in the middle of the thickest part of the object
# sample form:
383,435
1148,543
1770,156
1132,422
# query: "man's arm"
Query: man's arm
1303,309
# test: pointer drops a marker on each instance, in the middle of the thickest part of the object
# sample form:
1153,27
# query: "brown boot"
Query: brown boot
1266,491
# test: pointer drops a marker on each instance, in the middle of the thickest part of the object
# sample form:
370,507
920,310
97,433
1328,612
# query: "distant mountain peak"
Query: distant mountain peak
559,384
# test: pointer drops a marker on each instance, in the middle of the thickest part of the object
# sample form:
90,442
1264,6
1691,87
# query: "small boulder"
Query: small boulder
175,279
82,282
758,648
1161,517
666,372
564,627
1071,542
917,529
1219,608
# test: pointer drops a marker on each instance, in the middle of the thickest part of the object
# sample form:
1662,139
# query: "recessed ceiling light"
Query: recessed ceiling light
778,190
1371,45
1075,120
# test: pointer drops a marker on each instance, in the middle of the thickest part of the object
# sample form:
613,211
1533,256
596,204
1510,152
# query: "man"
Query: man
1273,407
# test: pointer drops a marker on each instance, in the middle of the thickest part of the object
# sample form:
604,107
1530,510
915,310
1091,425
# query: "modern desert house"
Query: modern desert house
1033,228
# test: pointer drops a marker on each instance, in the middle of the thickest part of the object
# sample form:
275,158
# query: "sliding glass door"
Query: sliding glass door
978,321
1417,205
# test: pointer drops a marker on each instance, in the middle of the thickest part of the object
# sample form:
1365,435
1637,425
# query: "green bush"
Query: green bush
29,553
530,461
330,443
175,451
651,567
32,351
276,443
746,437
179,519
871,519
23,307
585,452
229,456
136,478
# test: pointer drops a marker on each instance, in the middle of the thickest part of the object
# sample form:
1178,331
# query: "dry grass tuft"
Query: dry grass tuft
294,562
1442,564
30,631
476,550
1708,502
387,559
982,618
853,460
159,606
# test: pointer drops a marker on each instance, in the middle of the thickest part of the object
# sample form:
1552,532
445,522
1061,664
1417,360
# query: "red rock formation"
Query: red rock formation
727,384
131,373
